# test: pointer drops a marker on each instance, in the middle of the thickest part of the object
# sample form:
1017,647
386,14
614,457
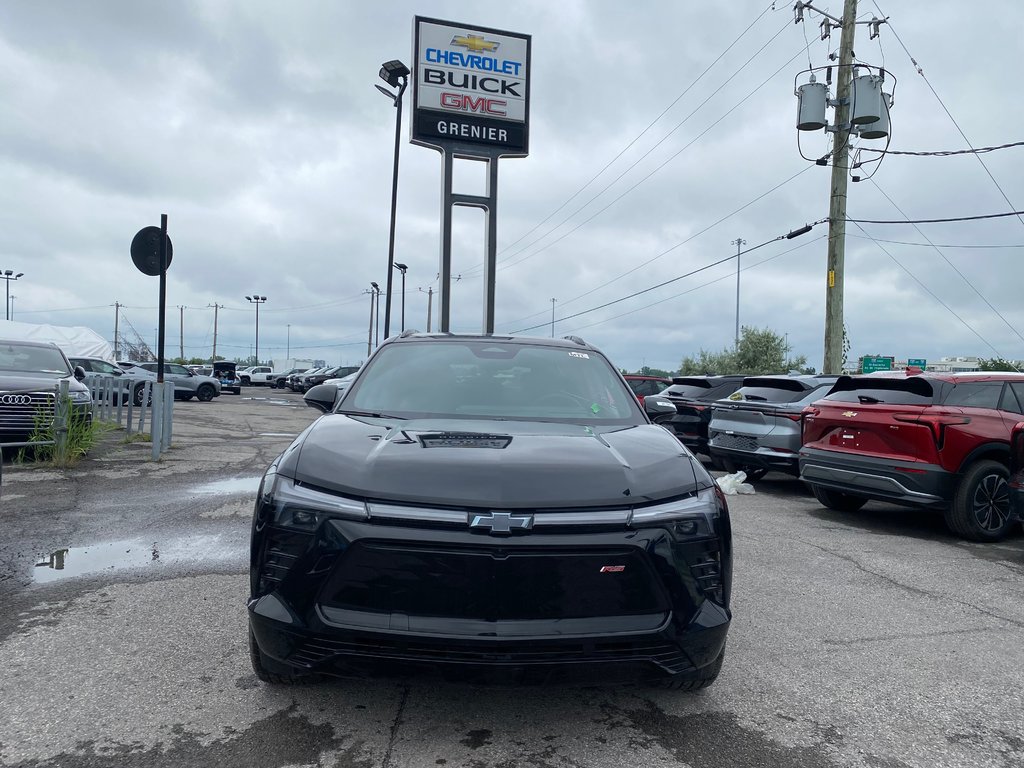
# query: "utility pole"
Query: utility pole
181,332
837,204
215,308
553,317
430,303
739,243
288,349
117,317
369,338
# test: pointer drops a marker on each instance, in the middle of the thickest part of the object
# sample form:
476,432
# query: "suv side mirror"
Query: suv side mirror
321,397
79,373
657,407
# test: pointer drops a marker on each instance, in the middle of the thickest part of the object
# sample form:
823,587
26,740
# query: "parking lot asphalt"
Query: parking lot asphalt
873,639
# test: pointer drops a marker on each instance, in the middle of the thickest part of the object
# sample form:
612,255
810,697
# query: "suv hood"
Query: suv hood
39,382
456,462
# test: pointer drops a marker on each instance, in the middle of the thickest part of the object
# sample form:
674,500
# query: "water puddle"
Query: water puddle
273,401
132,553
234,485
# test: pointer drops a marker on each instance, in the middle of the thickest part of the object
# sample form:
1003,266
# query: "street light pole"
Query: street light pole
8,275
257,300
739,243
395,74
401,268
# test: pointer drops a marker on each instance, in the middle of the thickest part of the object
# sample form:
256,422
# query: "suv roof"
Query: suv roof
571,342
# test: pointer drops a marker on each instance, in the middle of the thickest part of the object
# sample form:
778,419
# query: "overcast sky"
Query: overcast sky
660,133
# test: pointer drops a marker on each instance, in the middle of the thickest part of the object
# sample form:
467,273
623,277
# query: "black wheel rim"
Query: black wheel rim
991,503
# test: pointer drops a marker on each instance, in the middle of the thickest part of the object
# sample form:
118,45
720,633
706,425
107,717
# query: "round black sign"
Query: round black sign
146,250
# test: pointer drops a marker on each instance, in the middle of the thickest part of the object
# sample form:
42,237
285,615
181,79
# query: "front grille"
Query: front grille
24,418
321,649
491,584
735,442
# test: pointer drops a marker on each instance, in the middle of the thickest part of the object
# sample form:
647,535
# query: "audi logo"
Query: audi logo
16,399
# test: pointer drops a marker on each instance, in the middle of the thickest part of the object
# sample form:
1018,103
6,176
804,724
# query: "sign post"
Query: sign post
151,252
471,100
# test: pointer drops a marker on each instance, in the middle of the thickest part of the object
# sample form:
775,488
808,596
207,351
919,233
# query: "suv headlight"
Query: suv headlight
80,397
297,506
690,516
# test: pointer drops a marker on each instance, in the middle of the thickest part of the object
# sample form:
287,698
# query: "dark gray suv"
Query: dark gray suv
758,427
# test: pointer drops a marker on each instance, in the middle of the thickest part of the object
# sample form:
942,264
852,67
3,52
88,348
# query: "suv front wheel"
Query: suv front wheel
981,507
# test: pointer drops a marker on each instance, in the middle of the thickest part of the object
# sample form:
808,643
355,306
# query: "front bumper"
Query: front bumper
366,599
909,483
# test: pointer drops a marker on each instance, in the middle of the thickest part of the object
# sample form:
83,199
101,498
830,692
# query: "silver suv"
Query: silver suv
186,384
758,427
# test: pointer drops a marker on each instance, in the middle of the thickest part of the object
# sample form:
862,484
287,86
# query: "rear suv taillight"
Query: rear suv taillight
936,422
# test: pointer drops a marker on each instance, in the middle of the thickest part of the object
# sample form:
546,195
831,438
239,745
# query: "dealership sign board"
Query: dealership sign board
471,88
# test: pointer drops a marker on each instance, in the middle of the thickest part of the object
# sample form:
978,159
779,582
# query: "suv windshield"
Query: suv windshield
32,359
493,380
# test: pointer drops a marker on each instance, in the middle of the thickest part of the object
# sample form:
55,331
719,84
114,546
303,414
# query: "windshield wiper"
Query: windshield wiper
756,398
868,399
372,415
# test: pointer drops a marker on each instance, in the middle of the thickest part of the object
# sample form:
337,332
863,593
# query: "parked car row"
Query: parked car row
942,441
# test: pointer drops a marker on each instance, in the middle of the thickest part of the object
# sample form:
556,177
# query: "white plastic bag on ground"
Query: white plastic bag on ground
733,484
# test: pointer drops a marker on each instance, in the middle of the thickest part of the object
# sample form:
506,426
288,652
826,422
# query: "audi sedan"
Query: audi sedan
489,507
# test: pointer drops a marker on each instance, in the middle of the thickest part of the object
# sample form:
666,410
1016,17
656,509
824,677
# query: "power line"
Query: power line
920,71
952,266
506,264
671,248
726,276
639,135
937,221
944,152
662,284
931,293
934,245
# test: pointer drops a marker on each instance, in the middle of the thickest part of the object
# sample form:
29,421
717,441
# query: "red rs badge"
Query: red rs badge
612,568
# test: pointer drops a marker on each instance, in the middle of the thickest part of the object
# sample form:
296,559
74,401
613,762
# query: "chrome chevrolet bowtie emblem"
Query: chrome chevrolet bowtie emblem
502,522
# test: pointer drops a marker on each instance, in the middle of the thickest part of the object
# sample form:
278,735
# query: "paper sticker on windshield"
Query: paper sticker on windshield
736,396
583,355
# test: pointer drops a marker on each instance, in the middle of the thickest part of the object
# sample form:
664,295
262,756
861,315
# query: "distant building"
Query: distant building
955,365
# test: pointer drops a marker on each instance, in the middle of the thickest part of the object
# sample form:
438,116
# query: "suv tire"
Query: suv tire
981,505
245,381
205,393
837,500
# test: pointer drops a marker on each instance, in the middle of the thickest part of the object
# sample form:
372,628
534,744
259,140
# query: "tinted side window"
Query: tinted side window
1010,401
1018,390
650,388
976,395
768,394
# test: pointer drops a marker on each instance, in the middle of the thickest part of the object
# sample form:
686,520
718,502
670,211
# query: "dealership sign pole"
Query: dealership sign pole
471,101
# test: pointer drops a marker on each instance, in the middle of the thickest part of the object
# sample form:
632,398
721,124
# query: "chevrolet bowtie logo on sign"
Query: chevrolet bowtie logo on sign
475,43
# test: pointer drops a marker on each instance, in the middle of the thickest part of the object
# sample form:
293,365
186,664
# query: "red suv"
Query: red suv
643,386
933,440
